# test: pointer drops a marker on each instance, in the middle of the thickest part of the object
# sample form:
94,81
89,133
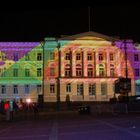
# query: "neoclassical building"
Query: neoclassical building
84,66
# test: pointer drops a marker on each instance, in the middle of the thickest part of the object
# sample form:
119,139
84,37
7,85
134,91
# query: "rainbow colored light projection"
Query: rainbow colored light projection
29,63
19,64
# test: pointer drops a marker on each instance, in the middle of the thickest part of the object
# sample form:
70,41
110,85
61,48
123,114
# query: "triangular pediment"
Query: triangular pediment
88,36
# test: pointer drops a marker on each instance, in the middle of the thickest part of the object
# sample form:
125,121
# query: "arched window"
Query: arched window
112,70
78,70
90,70
67,70
101,70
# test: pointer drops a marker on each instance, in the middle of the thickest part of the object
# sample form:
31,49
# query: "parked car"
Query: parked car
84,109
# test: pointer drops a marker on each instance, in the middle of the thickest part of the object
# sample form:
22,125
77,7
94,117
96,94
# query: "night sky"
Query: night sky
36,23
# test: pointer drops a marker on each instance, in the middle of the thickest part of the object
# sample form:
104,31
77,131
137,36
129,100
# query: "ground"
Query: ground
69,125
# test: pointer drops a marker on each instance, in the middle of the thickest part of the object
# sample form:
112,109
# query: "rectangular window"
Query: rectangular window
90,72
3,89
26,89
100,56
67,72
78,72
52,88
137,88
39,73
79,89
27,73
68,87
15,72
52,71
16,56
52,55
137,72
89,56
136,57
111,57
3,72
103,89
67,57
27,57
3,56
39,89
92,89
15,89
39,56
78,56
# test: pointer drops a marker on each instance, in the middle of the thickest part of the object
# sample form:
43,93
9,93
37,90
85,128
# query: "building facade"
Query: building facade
84,66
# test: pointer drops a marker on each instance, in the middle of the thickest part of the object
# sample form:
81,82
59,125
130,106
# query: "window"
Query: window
78,56
101,70
3,72
137,88
3,89
136,57
90,72
52,88
68,87
39,56
52,71
92,89
79,89
137,72
103,89
16,56
39,74
100,56
15,72
27,72
67,70
39,89
78,72
26,89
67,57
27,57
15,89
112,70
52,55
89,56
111,57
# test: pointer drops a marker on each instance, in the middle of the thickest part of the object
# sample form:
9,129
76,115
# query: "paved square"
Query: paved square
72,126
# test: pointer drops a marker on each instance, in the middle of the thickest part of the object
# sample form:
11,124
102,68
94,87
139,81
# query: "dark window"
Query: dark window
136,57
3,89
92,89
111,56
68,87
137,72
39,89
100,56
15,89
103,89
16,56
67,57
90,72
26,89
79,89
52,88
39,56
78,56
89,56
39,74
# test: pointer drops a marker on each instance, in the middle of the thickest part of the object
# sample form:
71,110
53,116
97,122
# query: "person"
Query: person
36,111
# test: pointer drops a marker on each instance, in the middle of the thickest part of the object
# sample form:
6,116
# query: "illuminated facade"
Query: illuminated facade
84,66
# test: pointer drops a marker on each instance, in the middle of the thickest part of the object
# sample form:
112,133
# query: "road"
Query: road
72,126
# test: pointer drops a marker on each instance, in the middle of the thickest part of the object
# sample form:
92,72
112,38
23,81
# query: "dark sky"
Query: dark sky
35,23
